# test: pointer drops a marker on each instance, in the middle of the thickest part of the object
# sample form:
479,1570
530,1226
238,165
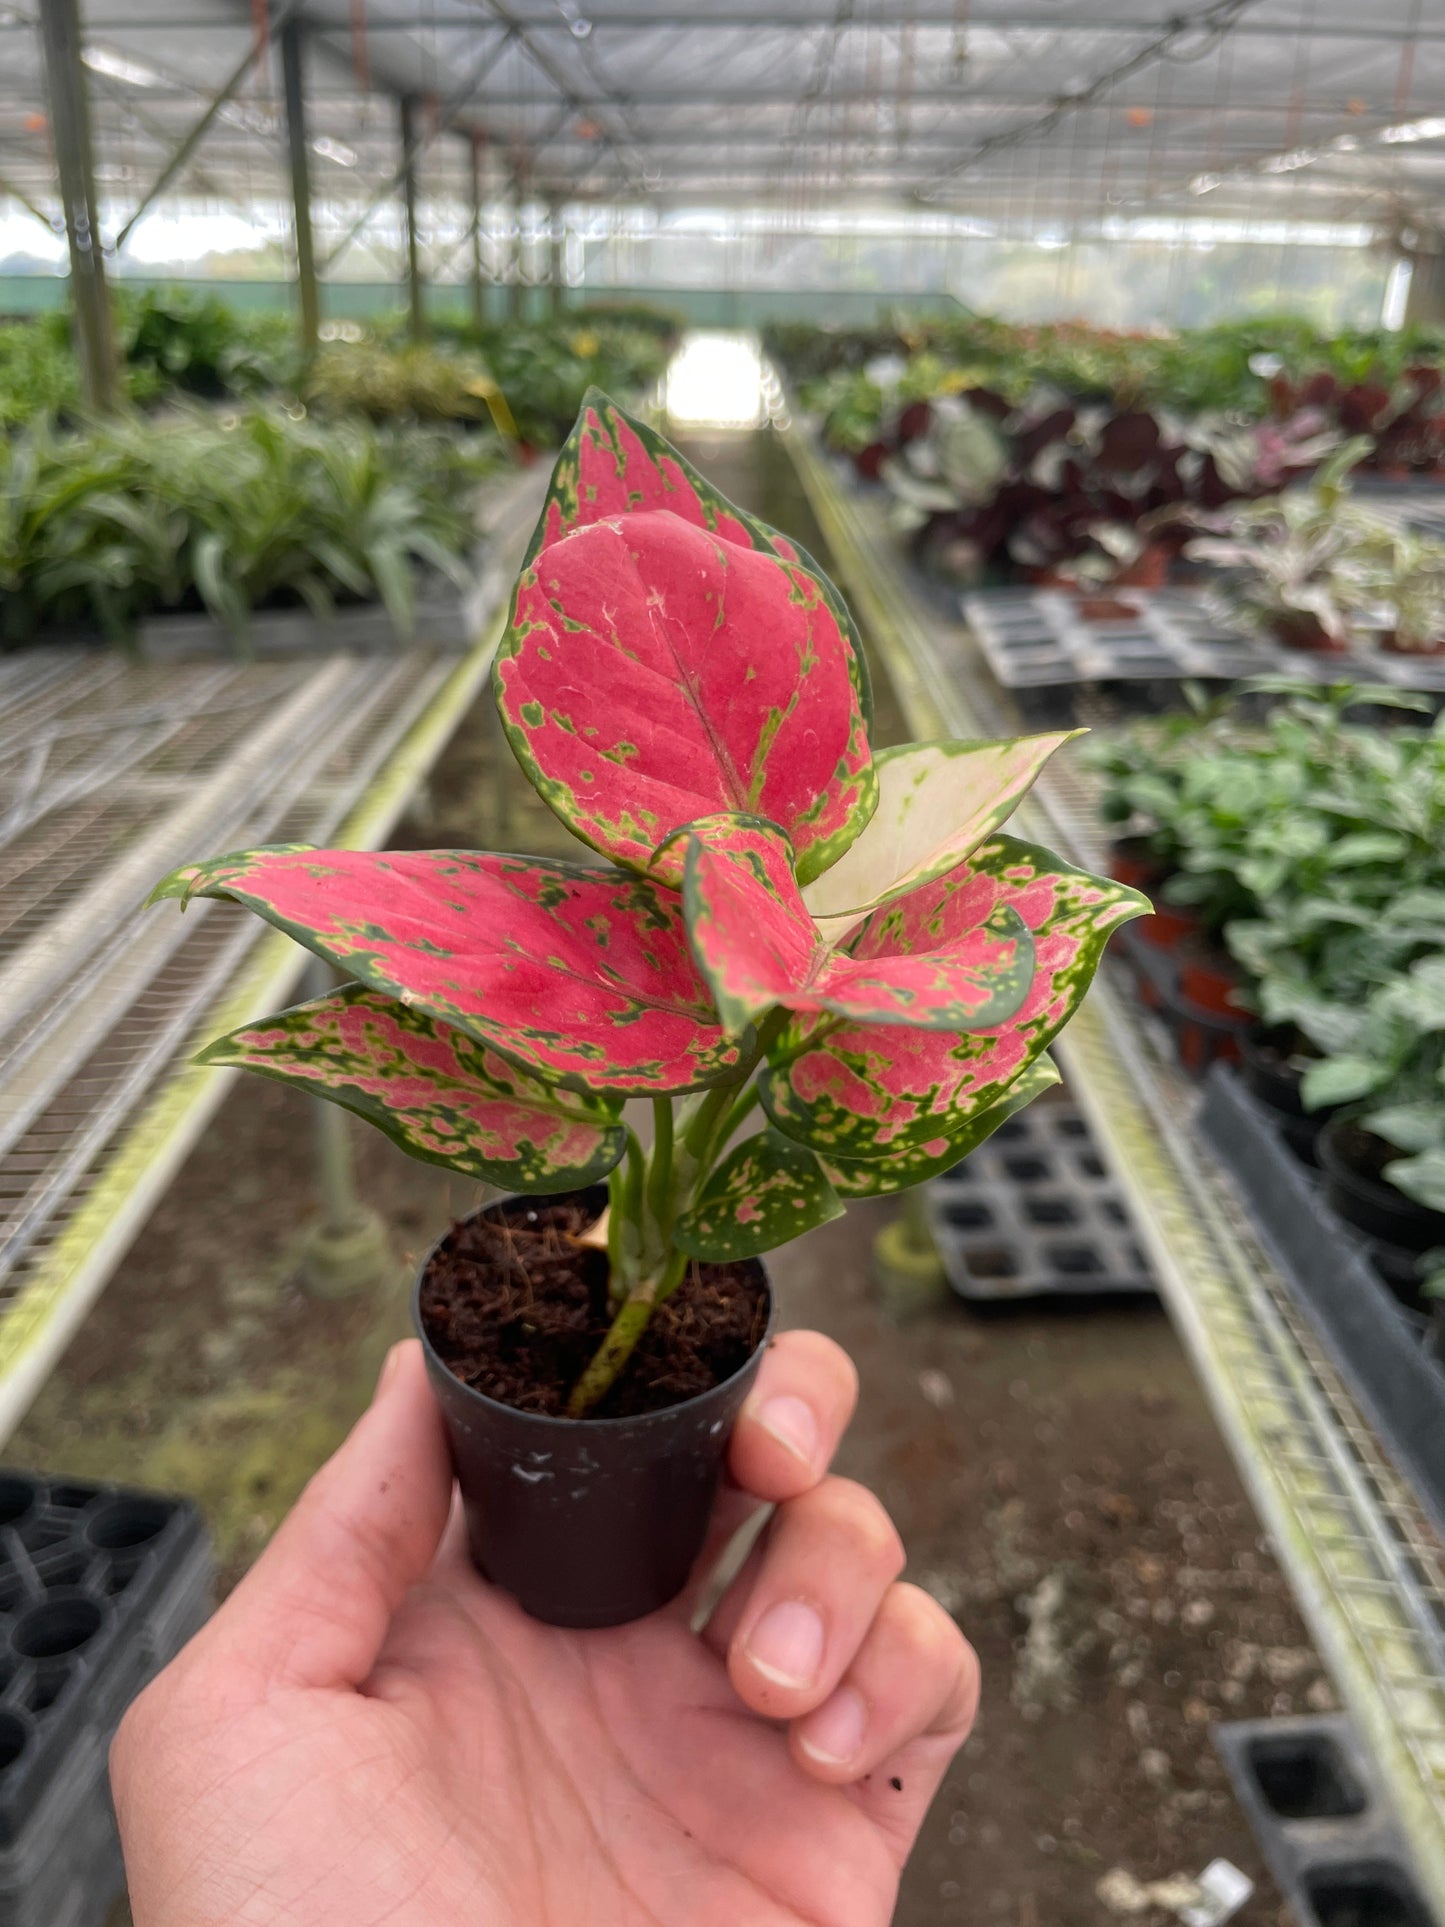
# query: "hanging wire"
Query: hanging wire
1212,24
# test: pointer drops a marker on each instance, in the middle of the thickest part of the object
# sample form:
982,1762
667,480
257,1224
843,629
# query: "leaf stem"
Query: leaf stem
659,1177
646,1267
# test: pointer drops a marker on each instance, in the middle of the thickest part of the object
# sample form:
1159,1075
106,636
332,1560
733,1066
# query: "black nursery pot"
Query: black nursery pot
1352,1159
587,1522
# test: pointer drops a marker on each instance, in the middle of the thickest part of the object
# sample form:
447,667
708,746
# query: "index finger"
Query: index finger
790,1427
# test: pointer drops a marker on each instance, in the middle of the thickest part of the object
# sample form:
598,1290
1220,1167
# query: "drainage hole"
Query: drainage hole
1371,1895
992,1261
1050,1211
968,1216
1025,1169
1074,1261
1305,1777
1011,1130
128,1522
1091,1165
59,1626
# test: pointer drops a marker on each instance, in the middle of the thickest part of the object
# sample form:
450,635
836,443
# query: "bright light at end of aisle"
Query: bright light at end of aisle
716,381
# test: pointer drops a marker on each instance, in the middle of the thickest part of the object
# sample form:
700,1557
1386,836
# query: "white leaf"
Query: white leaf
936,802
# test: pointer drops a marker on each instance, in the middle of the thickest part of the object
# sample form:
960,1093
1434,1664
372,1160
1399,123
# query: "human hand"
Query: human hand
368,1733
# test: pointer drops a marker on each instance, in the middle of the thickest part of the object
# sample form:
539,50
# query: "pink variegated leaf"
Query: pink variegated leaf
936,802
654,673
581,975
612,464
861,1090
766,1191
758,947
901,1167
435,1091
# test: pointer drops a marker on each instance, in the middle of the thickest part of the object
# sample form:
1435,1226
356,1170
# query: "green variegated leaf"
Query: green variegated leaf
757,946
766,1191
860,1090
436,1092
936,802
902,1168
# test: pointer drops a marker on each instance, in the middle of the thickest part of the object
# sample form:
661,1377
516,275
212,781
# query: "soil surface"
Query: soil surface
1052,1465
516,1306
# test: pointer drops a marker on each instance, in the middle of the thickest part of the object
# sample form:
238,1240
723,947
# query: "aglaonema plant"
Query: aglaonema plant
775,921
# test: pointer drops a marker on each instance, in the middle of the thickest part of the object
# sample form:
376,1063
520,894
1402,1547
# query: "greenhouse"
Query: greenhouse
779,673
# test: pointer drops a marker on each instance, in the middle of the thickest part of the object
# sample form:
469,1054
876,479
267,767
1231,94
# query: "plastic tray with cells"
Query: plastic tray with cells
1035,1210
99,1587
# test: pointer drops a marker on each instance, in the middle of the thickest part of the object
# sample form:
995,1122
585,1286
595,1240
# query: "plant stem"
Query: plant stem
624,1227
742,1105
623,1336
615,1350
659,1177
646,1266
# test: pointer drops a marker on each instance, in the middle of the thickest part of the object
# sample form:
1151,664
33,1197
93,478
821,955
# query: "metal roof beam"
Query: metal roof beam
192,140
797,20
545,65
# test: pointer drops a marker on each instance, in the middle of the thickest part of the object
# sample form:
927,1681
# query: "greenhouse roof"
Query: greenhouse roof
1048,112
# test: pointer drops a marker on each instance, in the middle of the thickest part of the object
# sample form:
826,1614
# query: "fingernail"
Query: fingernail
786,1645
835,1732
388,1368
791,1422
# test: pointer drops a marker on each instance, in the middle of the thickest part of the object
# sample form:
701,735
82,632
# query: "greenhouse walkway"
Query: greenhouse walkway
112,771
1362,1556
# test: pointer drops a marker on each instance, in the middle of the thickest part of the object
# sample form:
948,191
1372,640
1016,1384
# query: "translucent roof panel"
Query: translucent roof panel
1049,112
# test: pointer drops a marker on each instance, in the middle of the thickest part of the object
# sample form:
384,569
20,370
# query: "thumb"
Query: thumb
315,1607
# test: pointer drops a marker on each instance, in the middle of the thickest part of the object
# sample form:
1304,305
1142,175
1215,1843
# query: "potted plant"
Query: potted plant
779,921
1304,563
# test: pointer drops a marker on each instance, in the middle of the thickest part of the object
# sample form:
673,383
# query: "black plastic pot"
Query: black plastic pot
1274,1073
587,1522
1351,1159
1271,1071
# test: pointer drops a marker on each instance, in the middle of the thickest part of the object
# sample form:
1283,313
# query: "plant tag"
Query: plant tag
1223,1890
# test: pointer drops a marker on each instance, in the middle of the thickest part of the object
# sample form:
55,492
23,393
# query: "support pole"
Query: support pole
556,265
308,286
416,309
345,1250
479,279
512,251
70,119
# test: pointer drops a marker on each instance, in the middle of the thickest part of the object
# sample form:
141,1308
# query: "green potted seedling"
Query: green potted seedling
829,973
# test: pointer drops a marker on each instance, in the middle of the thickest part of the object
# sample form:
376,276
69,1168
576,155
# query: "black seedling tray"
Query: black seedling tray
1311,1799
1377,1344
1034,1210
99,1588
